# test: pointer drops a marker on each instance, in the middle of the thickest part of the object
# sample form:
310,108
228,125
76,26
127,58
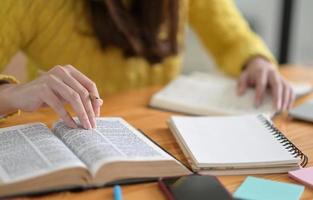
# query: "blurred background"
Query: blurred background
285,25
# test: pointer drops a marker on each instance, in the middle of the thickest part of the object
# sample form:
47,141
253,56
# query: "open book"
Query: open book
231,145
213,94
34,159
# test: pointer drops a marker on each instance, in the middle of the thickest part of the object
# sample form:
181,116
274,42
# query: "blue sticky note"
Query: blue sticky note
260,189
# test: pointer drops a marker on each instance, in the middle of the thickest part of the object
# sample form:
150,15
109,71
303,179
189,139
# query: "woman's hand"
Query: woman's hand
54,88
260,73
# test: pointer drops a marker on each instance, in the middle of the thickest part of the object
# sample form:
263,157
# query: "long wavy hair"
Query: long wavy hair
135,27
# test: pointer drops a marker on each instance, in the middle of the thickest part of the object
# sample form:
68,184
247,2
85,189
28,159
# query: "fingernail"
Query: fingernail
87,125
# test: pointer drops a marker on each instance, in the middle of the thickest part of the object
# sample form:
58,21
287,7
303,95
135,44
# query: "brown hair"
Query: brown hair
135,28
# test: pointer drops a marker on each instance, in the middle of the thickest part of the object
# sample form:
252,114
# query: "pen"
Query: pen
117,192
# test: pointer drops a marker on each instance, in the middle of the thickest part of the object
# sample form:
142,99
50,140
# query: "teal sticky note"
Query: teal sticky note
260,189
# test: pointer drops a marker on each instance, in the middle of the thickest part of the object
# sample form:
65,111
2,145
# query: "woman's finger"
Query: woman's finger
276,87
97,103
49,98
72,97
292,98
260,87
81,90
285,97
88,84
242,83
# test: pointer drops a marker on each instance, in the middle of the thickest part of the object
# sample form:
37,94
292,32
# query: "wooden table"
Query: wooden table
132,106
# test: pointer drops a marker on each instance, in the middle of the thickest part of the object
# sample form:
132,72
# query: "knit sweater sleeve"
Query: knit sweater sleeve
18,25
225,34
14,33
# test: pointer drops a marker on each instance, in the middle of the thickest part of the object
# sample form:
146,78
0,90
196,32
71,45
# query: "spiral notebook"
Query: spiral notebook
231,145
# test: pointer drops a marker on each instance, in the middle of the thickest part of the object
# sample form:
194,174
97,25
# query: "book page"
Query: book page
228,88
112,140
206,95
299,88
32,150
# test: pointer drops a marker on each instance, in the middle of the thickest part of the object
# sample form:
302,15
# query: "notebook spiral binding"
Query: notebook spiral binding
285,141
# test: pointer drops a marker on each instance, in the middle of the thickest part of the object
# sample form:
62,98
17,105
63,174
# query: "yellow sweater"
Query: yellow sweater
57,33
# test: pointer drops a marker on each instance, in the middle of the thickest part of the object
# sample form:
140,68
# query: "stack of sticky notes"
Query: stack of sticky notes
261,189
304,175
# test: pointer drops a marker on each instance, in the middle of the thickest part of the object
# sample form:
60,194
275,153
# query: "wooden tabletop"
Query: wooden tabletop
132,106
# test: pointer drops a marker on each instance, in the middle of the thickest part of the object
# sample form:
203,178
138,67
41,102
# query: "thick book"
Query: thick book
35,159
232,145
214,94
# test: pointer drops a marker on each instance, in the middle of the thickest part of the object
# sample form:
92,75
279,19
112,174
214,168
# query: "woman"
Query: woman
119,45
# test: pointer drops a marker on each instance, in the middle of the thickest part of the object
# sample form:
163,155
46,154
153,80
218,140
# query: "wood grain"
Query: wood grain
132,106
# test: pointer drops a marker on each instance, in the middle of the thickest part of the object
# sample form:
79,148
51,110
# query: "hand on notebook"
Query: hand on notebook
58,86
260,73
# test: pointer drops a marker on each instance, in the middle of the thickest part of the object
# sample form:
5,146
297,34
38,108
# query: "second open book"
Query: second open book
35,159
211,94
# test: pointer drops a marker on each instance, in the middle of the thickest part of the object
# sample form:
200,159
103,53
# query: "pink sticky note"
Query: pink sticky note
303,175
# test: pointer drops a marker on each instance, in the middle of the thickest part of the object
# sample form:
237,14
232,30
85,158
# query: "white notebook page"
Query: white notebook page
230,141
